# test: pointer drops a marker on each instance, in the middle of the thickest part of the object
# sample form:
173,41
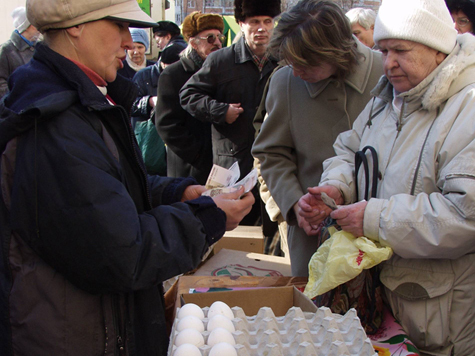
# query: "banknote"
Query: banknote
223,177
248,182
330,202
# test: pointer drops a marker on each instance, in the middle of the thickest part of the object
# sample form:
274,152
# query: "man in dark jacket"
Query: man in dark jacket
188,140
86,236
227,90
18,50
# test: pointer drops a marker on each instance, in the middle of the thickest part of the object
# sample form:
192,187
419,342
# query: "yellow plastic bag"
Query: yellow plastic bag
340,259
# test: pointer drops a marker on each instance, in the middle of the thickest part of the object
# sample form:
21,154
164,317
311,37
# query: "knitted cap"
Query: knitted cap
139,35
251,8
20,22
197,22
422,21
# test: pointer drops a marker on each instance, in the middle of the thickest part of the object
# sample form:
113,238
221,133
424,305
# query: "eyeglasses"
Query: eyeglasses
462,21
211,38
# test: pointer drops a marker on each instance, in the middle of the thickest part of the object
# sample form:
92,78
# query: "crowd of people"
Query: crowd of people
89,232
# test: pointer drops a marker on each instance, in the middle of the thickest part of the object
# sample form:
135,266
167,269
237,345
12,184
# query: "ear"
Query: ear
192,43
76,31
372,28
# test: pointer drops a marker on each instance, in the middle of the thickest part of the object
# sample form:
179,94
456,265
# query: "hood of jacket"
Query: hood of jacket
453,74
48,85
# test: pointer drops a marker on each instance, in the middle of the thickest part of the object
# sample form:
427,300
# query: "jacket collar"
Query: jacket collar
357,79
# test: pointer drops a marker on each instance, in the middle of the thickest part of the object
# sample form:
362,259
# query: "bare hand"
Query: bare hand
350,217
235,208
234,110
192,192
313,211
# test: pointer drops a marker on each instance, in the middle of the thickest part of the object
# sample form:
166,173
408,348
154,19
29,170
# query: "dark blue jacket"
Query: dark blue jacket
86,237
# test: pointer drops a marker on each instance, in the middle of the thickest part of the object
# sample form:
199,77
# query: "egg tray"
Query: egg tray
321,333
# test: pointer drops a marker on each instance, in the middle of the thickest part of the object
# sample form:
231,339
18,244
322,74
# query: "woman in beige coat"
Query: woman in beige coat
318,95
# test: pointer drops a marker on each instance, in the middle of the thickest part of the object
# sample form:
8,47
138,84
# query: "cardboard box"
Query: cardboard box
242,238
280,299
239,263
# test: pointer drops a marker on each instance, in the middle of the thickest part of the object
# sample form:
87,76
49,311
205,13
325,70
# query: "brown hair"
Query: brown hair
315,31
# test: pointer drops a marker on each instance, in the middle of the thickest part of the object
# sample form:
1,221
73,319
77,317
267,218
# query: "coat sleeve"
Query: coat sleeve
76,212
141,108
172,120
275,149
5,69
198,94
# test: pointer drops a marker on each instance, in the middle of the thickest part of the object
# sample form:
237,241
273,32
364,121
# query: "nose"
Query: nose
457,27
390,60
127,42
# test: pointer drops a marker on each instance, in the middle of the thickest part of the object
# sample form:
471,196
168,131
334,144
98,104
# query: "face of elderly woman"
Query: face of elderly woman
137,54
101,46
461,22
408,63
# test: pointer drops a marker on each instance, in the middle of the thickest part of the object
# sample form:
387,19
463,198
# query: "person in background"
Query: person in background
362,24
136,59
421,125
86,235
18,50
168,37
324,61
463,14
188,140
227,90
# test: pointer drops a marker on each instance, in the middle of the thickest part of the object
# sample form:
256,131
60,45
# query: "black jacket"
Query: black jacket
86,237
228,76
188,140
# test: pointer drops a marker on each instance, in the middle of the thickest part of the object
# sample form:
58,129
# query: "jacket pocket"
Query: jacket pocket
420,293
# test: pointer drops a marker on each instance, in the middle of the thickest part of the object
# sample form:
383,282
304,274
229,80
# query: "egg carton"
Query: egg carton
321,333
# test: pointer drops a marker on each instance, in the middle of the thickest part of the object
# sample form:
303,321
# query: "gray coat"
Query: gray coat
13,53
304,119
228,76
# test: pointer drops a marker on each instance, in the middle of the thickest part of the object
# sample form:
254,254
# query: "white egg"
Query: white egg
187,350
223,349
189,336
220,308
220,335
190,309
220,321
190,322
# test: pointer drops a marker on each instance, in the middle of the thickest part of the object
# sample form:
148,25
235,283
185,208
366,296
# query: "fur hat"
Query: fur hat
251,8
422,21
165,27
196,22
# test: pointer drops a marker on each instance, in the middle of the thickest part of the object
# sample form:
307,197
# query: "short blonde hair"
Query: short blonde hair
314,31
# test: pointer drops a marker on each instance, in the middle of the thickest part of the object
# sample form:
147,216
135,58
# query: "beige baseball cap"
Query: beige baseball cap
57,14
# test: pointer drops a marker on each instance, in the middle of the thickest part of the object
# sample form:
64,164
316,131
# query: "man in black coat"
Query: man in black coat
188,140
227,90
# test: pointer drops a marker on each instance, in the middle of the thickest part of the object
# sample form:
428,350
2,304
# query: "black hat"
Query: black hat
170,54
165,27
251,8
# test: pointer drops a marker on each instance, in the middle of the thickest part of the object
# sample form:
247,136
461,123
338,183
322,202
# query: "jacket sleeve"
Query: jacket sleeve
141,108
5,70
82,220
198,94
274,147
171,120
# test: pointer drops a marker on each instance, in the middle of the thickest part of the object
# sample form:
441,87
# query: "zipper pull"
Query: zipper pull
120,344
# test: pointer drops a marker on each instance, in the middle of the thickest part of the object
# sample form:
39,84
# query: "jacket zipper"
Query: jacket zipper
118,323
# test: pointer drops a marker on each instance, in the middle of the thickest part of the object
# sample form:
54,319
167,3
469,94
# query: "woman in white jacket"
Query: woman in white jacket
422,125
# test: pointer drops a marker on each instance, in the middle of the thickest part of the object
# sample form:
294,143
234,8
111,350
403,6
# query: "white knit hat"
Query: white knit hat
20,22
423,21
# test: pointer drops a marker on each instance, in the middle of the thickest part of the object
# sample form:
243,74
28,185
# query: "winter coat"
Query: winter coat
13,53
146,80
425,198
86,237
129,72
228,76
303,121
188,140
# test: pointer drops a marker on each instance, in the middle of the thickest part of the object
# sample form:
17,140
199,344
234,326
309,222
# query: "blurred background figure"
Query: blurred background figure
188,140
463,14
168,37
362,24
19,49
135,59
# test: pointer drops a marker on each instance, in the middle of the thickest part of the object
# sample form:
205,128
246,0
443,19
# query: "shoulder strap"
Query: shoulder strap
360,159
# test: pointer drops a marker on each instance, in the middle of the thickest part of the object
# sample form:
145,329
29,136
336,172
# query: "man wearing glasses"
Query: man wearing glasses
188,140
227,90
